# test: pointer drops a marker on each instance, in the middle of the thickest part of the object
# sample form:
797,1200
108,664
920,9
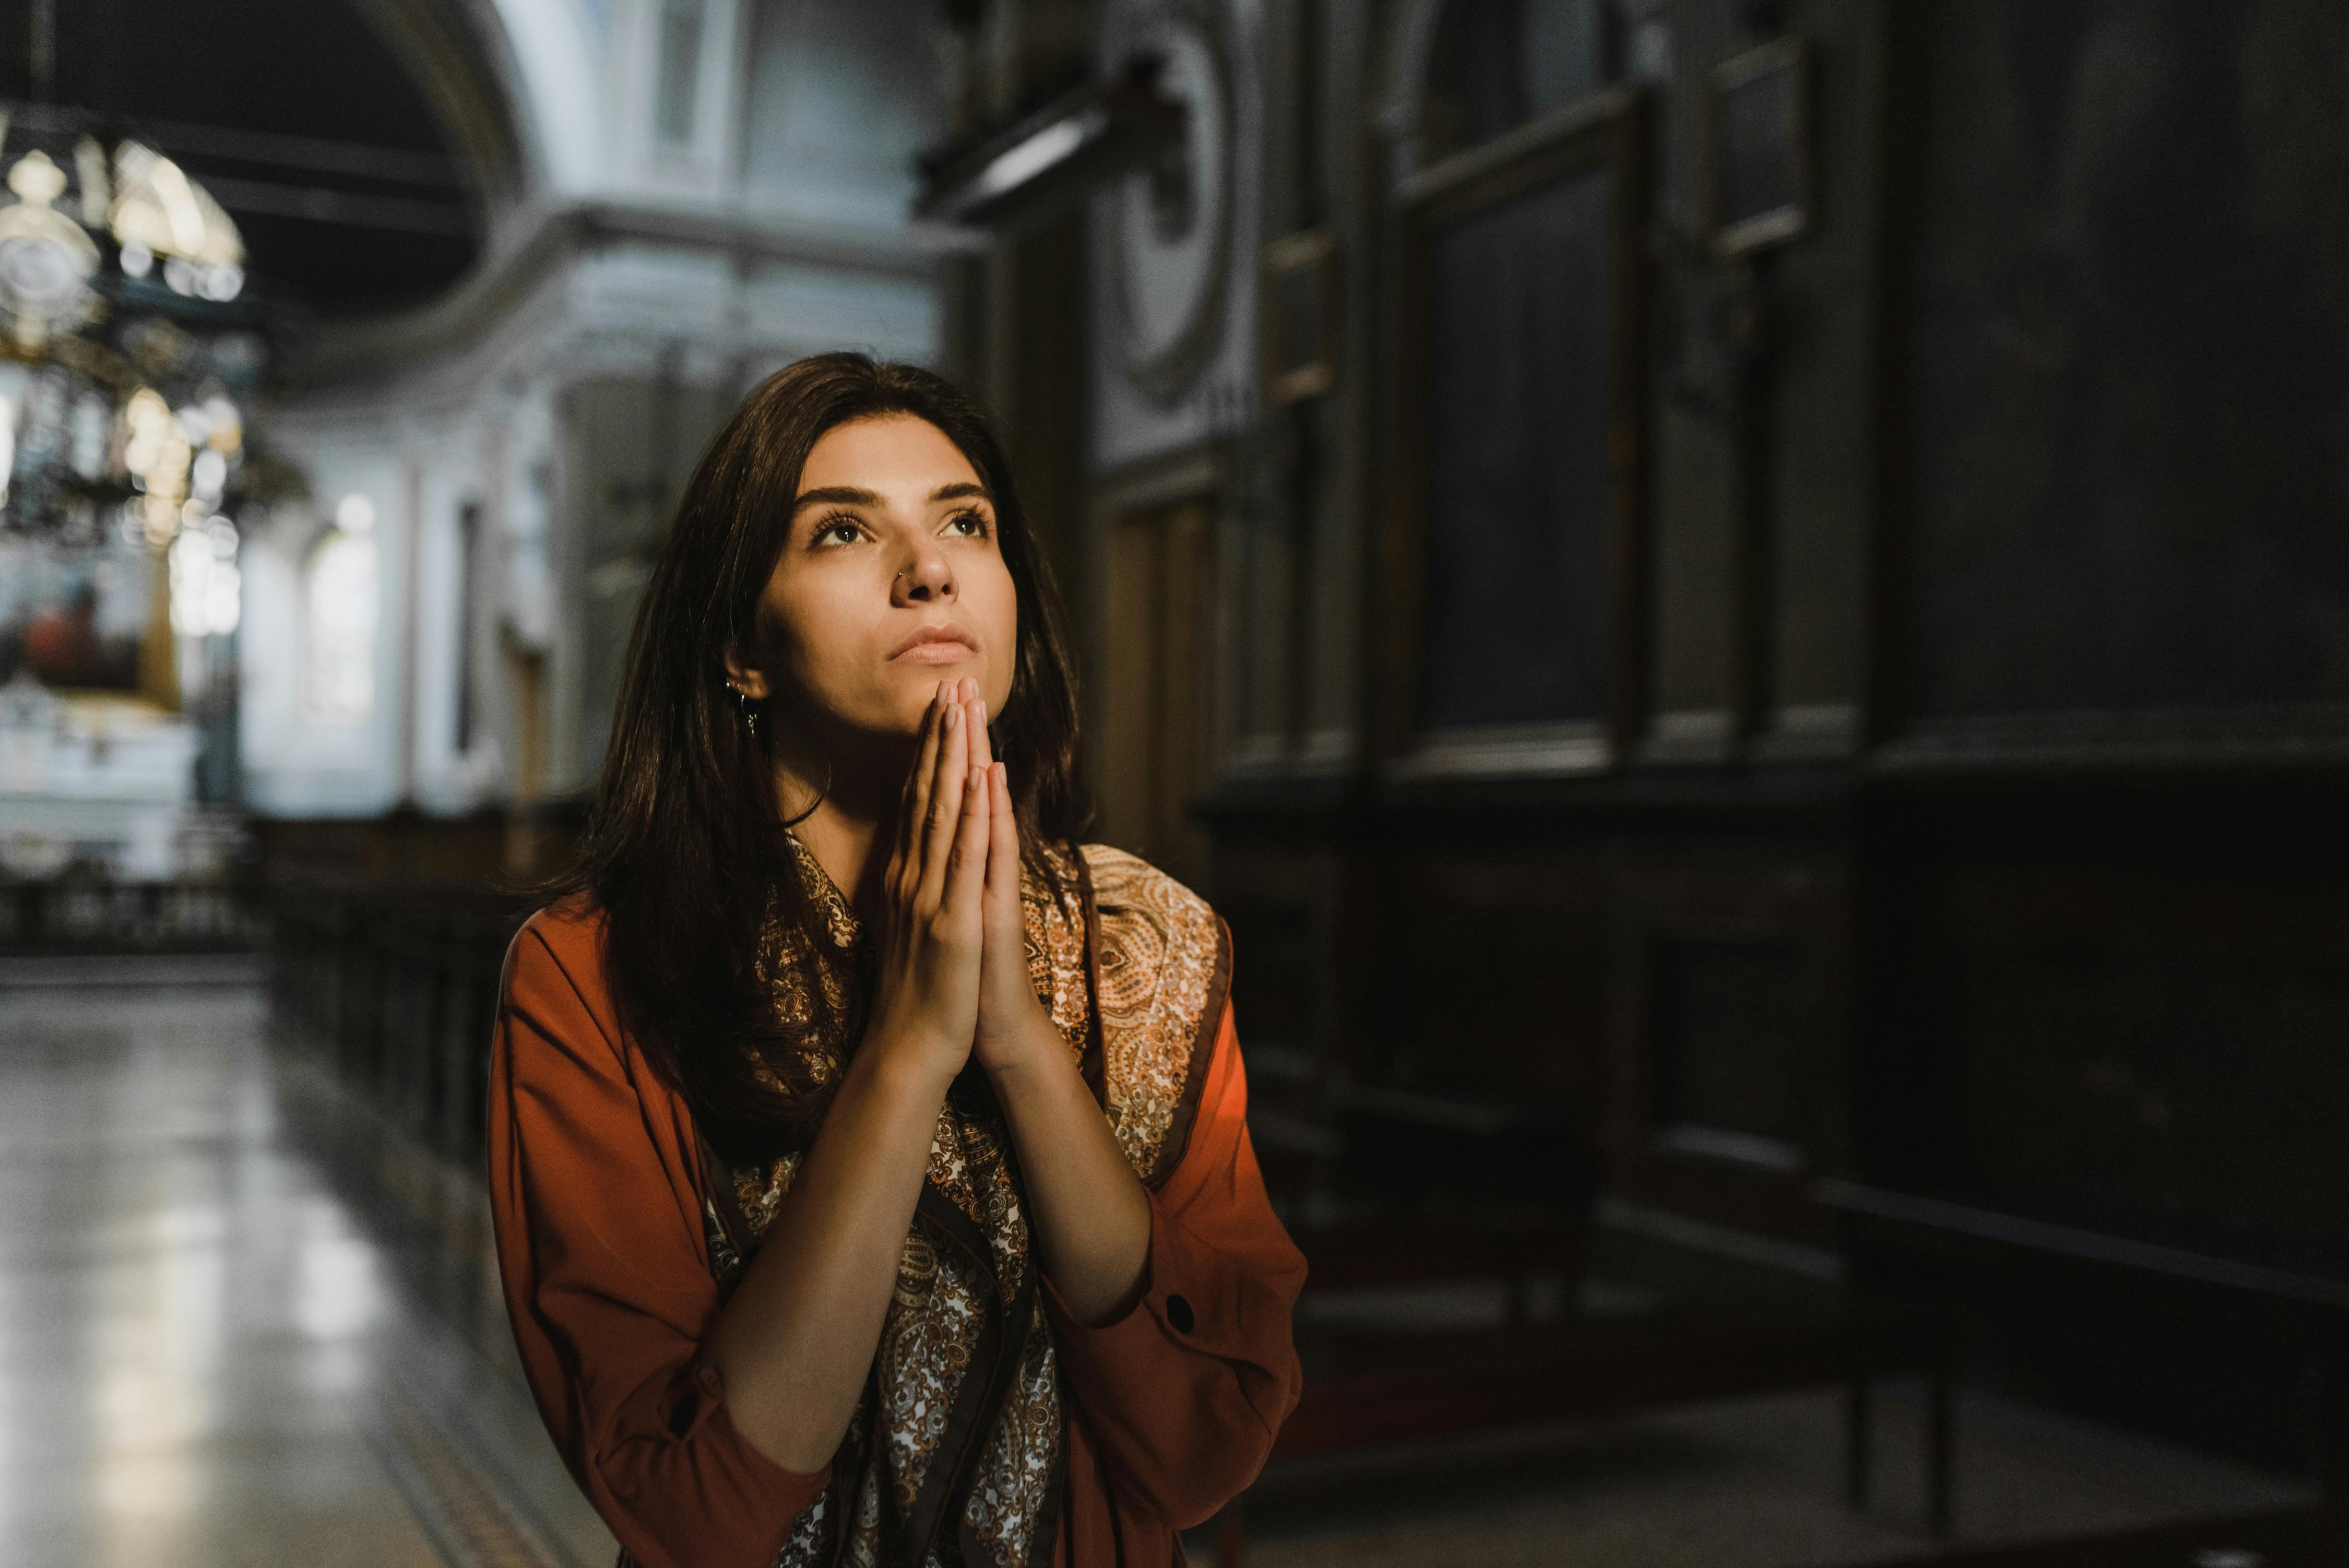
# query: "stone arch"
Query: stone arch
551,78
460,55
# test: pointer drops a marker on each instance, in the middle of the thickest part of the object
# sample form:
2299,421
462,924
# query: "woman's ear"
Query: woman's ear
746,679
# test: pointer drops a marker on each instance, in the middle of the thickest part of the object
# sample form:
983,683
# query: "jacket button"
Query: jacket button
1178,1313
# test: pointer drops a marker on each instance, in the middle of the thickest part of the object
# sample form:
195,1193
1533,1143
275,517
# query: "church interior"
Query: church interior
1742,604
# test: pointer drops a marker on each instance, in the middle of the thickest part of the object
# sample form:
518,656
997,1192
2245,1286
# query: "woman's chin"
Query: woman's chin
919,683
907,716
900,708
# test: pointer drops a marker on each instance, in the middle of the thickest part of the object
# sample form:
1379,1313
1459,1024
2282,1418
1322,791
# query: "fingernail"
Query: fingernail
954,718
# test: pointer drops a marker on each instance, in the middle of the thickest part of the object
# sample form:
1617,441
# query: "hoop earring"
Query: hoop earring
749,708
744,705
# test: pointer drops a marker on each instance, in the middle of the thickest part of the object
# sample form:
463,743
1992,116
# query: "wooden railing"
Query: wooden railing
76,914
395,988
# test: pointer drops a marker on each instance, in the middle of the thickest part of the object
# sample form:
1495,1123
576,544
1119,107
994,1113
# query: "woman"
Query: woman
869,1161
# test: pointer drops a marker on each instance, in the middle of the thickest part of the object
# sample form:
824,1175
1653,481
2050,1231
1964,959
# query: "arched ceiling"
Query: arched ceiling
360,145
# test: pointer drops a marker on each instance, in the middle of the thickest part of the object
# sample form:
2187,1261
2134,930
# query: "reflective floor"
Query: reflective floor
243,1323
238,1324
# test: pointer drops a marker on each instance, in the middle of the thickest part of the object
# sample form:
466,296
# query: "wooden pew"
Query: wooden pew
1372,1386
395,986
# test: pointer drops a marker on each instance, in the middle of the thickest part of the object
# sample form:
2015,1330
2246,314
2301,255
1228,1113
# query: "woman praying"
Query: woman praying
868,1156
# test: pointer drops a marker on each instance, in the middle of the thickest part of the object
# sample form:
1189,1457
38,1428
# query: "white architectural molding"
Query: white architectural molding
362,358
778,229
550,42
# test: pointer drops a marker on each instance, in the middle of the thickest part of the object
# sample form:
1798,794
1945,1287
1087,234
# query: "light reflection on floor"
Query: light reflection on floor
239,1325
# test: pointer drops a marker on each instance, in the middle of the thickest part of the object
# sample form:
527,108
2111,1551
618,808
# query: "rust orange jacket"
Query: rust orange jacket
596,1188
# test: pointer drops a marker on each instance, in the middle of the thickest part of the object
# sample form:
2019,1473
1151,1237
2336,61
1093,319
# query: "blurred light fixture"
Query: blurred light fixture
128,341
104,252
1041,165
47,259
136,208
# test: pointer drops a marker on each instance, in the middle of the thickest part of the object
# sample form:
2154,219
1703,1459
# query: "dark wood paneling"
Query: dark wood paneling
1512,553
1494,1002
1475,1061
1730,1019
2094,987
1731,1026
2130,366
2117,1006
1515,572
1157,668
2099,1038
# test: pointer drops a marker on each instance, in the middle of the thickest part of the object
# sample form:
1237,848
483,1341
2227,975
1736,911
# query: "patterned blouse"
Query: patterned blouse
996,1432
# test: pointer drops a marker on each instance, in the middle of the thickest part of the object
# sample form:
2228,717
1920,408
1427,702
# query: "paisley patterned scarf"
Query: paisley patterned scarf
953,1457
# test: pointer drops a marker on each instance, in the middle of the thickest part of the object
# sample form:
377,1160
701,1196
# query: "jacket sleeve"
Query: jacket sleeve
1185,1392
607,1279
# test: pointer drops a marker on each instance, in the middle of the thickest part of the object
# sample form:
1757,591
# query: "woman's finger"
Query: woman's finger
1002,848
982,744
982,769
916,805
925,758
967,868
946,804
982,764
901,831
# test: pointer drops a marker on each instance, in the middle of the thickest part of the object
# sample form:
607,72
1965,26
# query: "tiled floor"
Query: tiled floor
239,1326
242,1324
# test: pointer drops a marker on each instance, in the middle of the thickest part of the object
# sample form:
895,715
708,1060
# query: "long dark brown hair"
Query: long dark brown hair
684,848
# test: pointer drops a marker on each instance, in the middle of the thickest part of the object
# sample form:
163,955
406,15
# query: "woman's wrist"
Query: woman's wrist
1032,1045
904,1060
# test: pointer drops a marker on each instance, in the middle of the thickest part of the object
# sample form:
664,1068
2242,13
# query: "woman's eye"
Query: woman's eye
969,524
843,532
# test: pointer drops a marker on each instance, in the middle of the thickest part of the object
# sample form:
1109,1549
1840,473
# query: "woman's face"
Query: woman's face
889,582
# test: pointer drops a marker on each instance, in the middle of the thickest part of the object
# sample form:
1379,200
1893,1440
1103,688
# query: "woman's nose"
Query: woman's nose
926,577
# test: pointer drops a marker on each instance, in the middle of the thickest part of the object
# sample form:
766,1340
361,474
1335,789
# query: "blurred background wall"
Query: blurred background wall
1744,606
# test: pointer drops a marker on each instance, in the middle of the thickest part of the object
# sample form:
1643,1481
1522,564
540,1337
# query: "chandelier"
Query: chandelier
128,353
51,264
87,330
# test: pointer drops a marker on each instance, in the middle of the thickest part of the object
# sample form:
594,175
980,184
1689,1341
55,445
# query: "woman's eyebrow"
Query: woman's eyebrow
850,495
835,495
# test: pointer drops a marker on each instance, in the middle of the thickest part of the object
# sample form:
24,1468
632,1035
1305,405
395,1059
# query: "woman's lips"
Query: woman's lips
937,645
945,652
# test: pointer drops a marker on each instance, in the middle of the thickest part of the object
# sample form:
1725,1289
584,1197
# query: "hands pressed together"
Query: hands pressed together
953,986
953,968
794,1345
